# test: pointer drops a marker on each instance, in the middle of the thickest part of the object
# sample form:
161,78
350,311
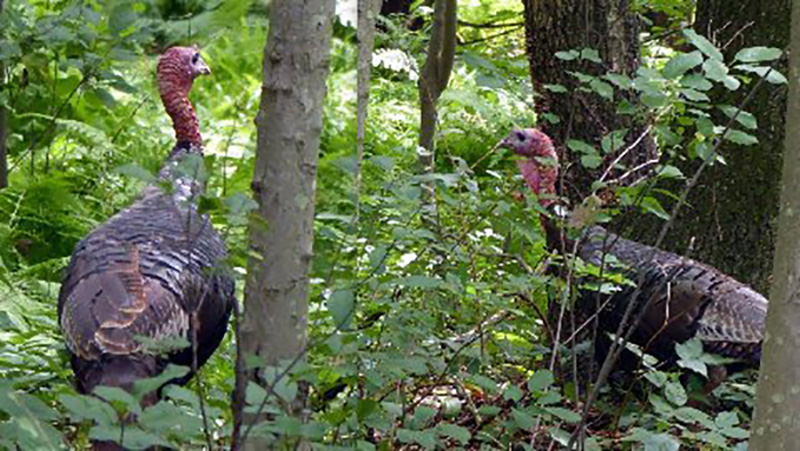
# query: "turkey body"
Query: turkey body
682,299
152,270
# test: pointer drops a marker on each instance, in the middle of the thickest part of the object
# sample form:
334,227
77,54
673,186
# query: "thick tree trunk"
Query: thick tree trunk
731,220
776,425
606,26
296,60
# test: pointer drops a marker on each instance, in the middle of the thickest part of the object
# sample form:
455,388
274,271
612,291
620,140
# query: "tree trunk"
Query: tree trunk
3,122
777,417
606,26
296,60
433,81
731,220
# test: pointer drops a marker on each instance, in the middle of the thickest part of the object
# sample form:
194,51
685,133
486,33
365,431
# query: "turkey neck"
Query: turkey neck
174,91
541,179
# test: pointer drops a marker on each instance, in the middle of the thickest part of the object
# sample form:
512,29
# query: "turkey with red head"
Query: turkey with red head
682,298
153,269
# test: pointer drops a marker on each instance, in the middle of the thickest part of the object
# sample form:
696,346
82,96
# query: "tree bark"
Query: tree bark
733,210
776,425
3,122
296,61
367,12
606,26
434,79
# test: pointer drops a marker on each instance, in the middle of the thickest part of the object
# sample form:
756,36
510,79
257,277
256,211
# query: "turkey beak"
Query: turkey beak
202,68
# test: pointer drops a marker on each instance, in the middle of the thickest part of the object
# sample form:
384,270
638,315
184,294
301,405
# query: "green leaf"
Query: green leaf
581,146
591,161
652,441
567,56
144,386
652,205
657,378
695,96
591,55
121,17
458,433
522,420
696,81
118,398
564,414
740,137
541,380
9,49
715,70
84,407
558,89
426,439
753,54
681,63
602,88
675,393
669,172
621,81
743,117
342,305
702,44
484,382
773,76
513,393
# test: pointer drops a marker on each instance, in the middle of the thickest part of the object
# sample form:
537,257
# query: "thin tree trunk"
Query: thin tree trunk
3,123
731,223
367,11
433,81
776,425
296,61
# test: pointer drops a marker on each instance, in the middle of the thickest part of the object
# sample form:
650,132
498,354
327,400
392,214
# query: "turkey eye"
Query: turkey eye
195,57
521,136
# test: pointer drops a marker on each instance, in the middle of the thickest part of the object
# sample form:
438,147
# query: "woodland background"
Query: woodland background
429,306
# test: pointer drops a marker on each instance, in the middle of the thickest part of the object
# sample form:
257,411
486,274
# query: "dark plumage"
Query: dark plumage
152,270
684,298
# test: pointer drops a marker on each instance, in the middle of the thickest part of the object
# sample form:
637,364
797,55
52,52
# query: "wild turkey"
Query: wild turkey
152,270
683,298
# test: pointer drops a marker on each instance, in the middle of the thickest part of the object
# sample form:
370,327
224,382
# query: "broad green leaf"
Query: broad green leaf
118,398
773,76
342,304
591,161
602,88
740,137
652,205
541,380
681,63
591,55
568,55
458,433
675,393
754,54
144,386
702,44
523,420
743,117
558,89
